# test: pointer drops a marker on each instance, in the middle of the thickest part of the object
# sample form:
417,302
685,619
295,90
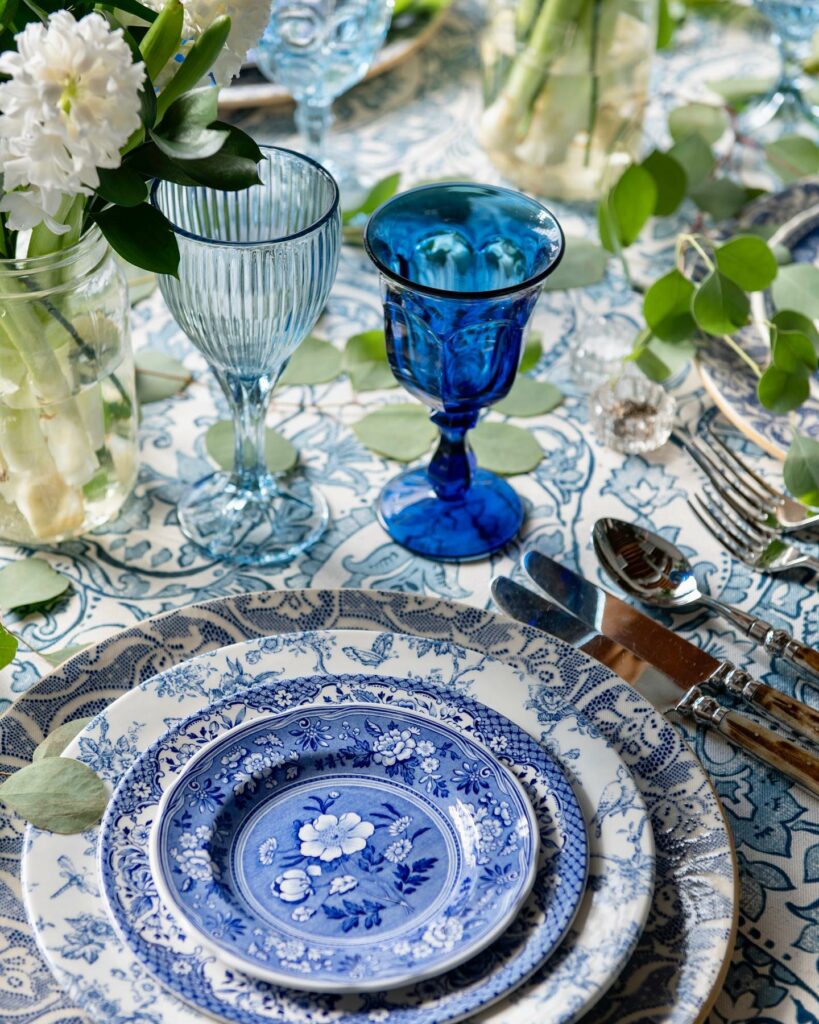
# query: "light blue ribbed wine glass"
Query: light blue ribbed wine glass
255,269
794,23
318,49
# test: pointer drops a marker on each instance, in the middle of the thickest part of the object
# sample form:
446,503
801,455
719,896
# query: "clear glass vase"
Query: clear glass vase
68,411
565,90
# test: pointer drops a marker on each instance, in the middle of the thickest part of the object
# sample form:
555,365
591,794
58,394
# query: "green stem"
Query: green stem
593,43
695,245
735,347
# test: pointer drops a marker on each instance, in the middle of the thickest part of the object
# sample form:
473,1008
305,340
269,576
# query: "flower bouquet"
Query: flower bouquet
95,102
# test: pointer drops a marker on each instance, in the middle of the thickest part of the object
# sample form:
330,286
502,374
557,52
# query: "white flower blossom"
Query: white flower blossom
398,851
399,826
343,883
267,851
329,837
394,745
69,106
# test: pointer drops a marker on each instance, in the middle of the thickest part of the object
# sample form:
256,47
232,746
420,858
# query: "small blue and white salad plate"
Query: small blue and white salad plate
387,845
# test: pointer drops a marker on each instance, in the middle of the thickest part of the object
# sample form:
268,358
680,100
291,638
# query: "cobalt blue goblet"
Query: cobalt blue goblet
255,269
461,268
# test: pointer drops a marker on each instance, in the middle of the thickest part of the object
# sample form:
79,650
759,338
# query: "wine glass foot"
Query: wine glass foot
264,525
485,519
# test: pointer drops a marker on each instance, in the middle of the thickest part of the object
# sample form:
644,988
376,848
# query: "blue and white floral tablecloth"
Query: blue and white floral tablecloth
418,119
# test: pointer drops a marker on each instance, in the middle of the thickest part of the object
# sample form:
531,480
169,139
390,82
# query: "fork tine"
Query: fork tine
713,527
715,474
729,472
750,516
743,532
743,466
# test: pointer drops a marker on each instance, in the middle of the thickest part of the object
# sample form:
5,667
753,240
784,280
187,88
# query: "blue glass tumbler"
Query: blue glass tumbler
255,269
461,269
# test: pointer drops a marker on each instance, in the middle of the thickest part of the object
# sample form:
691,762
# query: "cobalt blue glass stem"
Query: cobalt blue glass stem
256,266
461,268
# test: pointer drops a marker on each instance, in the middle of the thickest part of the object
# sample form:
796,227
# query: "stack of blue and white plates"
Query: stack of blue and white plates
355,825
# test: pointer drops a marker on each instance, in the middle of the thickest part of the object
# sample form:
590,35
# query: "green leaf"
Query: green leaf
625,210
670,180
797,288
702,119
57,740
402,432
280,453
56,793
136,8
233,168
667,307
162,39
122,186
584,263
197,63
696,158
719,306
191,142
665,25
788,320
748,261
158,376
8,646
505,449
29,583
658,359
141,235
380,192
314,362
781,392
794,352
722,198
148,159
532,351
365,360
793,157
530,397
55,658
801,472
738,92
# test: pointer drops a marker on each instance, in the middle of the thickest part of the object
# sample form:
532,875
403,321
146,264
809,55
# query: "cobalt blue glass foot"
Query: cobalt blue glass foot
483,520
265,524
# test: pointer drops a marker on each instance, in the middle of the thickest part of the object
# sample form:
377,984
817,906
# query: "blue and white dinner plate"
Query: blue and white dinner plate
386,845
258,676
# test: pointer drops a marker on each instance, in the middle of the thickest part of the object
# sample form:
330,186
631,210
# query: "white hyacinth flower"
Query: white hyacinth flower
69,106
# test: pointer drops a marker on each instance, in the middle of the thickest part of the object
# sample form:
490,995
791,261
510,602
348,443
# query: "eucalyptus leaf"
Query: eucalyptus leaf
797,288
659,359
158,376
793,157
702,119
532,351
670,179
365,361
748,261
380,192
782,392
280,454
29,583
8,646
58,739
623,213
403,432
788,320
696,158
530,397
505,449
56,793
801,471
738,92
667,307
794,352
584,263
315,361
55,658
722,198
719,306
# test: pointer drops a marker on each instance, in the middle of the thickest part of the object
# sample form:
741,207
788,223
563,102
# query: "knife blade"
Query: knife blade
682,661
659,689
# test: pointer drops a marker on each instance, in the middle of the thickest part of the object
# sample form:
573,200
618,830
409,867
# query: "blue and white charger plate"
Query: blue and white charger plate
607,925
681,958
729,381
387,844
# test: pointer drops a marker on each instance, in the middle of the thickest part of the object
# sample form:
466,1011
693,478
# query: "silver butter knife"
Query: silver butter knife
687,664
659,689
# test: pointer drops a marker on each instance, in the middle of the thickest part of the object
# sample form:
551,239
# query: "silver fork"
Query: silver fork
745,491
757,547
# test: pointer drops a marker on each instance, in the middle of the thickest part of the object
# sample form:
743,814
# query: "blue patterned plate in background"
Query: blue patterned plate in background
375,836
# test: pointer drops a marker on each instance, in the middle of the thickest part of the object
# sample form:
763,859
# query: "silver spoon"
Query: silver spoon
655,571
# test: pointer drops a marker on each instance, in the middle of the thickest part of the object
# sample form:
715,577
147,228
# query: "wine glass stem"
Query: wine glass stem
313,120
451,467
249,399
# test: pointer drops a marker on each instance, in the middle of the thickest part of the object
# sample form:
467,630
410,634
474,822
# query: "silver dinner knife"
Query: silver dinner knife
687,664
661,690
